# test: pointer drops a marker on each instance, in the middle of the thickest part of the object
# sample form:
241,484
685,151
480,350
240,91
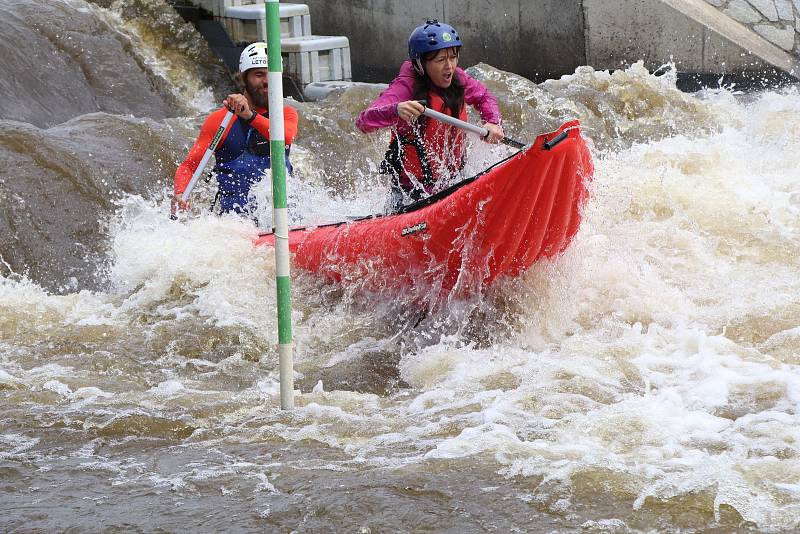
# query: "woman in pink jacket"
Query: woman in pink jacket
425,154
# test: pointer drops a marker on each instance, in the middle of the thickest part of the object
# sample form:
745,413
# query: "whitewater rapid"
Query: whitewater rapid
646,380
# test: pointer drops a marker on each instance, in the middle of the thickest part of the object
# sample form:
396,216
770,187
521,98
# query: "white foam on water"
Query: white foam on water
606,526
659,353
8,380
309,202
623,364
212,258
13,444
169,388
690,237
58,387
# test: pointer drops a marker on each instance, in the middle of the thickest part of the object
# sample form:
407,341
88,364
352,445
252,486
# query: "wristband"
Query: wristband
252,118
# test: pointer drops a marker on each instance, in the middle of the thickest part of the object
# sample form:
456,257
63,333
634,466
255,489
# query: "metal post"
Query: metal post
280,217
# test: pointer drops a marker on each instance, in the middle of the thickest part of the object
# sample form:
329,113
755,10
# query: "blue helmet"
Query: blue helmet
431,36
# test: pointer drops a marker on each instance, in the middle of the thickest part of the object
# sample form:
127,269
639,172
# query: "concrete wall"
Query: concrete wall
534,38
622,31
537,39
778,21
542,39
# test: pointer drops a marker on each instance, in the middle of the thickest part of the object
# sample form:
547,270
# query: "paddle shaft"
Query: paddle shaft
207,156
481,132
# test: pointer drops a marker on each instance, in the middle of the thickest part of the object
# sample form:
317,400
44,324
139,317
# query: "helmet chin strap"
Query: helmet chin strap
417,63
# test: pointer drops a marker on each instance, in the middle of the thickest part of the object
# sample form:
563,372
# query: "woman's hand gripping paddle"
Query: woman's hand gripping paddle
483,132
458,123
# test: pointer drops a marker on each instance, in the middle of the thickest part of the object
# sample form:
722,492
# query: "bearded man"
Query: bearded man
242,155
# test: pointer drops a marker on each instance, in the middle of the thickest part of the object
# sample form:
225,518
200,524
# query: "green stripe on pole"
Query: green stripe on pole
277,148
284,284
279,199
273,35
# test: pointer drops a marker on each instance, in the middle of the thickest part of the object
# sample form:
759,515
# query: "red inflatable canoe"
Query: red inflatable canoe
495,224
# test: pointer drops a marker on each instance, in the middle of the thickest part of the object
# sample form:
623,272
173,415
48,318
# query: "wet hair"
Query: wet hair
238,79
453,96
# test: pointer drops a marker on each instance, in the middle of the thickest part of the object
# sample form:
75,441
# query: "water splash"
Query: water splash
649,373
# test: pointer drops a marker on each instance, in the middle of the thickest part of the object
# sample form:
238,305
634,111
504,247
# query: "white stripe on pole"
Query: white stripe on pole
276,130
283,281
286,374
281,220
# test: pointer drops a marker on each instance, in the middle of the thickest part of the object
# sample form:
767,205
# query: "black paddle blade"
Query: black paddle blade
513,143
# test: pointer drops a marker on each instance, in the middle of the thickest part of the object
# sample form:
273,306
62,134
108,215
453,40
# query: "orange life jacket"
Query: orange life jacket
433,151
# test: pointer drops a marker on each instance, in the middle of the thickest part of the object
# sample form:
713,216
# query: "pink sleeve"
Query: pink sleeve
382,113
477,95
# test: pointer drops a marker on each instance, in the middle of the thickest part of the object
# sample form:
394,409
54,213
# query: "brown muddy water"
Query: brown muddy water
647,380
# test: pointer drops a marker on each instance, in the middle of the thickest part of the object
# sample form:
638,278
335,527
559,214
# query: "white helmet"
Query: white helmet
253,57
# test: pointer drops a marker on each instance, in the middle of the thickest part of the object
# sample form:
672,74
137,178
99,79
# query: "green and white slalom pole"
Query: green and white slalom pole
277,148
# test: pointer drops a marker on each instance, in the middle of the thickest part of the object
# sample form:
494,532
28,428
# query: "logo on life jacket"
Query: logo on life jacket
419,227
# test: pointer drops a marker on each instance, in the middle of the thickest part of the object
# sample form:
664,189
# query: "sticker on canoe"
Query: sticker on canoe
419,227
